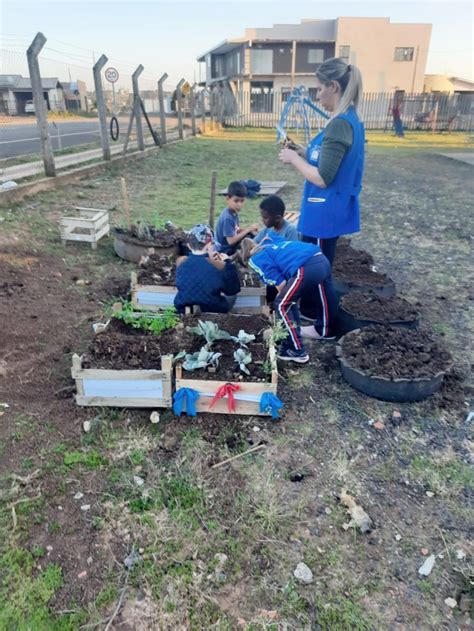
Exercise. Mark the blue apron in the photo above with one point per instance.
(332, 211)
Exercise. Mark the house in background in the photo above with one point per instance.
(449, 85)
(15, 92)
(391, 56)
(75, 96)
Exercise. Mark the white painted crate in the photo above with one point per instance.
(88, 224)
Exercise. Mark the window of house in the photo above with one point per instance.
(315, 55)
(344, 52)
(285, 93)
(261, 61)
(404, 54)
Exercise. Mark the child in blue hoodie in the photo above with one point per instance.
(296, 269)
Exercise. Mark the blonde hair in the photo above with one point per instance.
(349, 79)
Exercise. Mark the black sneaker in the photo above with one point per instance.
(292, 355)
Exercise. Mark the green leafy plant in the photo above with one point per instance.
(244, 338)
(243, 358)
(276, 333)
(201, 359)
(210, 331)
(152, 322)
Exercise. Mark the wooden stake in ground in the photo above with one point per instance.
(244, 453)
(212, 212)
(126, 205)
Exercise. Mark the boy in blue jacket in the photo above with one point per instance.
(297, 270)
(205, 277)
(229, 234)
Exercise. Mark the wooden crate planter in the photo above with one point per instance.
(156, 297)
(123, 388)
(247, 398)
(88, 224)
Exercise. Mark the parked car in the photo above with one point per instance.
(29, 107)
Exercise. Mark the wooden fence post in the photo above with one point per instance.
(212, 212)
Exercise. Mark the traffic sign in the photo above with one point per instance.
(112, 75)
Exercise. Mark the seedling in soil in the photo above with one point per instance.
(202, 359)
(153, 322)
(243, 358)
(244, 338)
(210, 331)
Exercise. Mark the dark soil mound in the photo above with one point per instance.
(366, 306)
(158, 269)
(150, 236)
(123, 347)
(394, 353)
(356, 267)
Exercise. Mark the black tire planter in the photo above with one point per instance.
(400, 390)
(348, 322)
(132, 249)
(386, 290)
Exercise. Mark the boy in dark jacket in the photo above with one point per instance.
(205, 277)
(297, 270)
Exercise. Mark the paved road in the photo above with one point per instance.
(20, 140)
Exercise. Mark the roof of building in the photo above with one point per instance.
(17, 82)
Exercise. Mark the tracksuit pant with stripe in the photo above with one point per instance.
(312, 306)
(313, 278)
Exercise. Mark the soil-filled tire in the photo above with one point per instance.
(400, 390)
(132, 250)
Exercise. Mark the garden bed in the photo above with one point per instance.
(358, 309)
(126, 365)
(154, 297)
(247, 389)
(393, 363)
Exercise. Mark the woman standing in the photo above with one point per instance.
(332, 166)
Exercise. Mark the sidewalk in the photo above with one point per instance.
(21, 171)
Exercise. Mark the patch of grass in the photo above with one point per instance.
(342, 614)
(90, 459)
(25, 594)
(442, 477)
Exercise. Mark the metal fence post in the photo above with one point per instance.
(179, 99)
(40, 105)
(136, 105)
(99, 96)
(192, 104)
(161, 100)
(203, 110)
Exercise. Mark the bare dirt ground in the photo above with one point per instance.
(216, 548)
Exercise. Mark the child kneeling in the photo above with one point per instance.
(205, 278)
(297, 270)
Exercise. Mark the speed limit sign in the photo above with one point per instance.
(112, 75)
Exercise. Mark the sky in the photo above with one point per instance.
(168, 36)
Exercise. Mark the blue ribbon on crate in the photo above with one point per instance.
(188, 397)
(269, 402)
